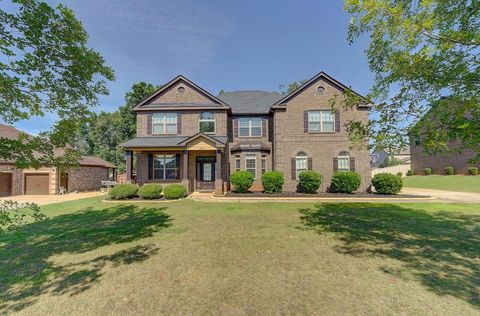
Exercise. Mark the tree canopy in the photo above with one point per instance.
(424, 54)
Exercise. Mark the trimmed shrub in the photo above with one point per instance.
(123, 191)
(309, 181)
(150, 191)
(399, 174)
(473, 171)
(272, 182)
(345, 182)
(427, 171)
(410, 173)
(449, 171)
(174, 191)
(241, 181)
(387, 183)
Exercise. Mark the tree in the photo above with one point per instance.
(46, 67)
(284, 90)
(425, 57)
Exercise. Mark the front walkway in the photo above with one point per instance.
(445, 196)
(49, 199)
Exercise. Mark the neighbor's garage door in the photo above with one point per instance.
(36, 183)
(5, 184)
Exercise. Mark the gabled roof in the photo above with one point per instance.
(250, 102)
(311, 81)
(174, 81)
(203, 135)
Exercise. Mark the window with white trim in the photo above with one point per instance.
(164, 123)
(321, 121)
(301, 163)
(237, 163)
(206, 123)
(250, 127)
(343, 161)
(264, 164)
(165, 167)
(251, 164)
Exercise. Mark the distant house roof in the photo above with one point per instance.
(10, 132)
(163, 141)
(250, 102)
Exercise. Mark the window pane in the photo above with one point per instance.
(157, 129)
(170, 162)
(314, 116)
(256, 131)
(314, 126)
(237, 164)
(157, 118)
(158, 161)
(158, 174)
(301, 163)
(172, 129)
(327, 116)
(328, 127)
(256, 122)
(243, 131)
(343, 164)
(207, 127)
(243, 122)
(171, 117)
(170, 174)
(328, 121)
(206, 116)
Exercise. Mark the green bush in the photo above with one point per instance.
(123, 191)
(427, 171)
(272, 182)
(150, 191)
(400, 174)
(345, 182)
(473, 171)
(449, 171)
(174, 191)
(241, 181)
(309, 181)
(387, 183)
(410, 173)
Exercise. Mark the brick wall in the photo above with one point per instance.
(86, 178)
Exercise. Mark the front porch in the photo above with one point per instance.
(199, 163)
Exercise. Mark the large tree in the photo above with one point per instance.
(46, 67)
(425, 58)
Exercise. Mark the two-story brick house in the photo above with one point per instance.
(187, 135)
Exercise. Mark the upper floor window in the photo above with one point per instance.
(321, 121)
(250, 127)
(164, 123)
(343, 161)
(206, 123)
(301, 163)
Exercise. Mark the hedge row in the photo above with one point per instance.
(149, 191)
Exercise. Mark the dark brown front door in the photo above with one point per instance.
(205, 173)
(36, 183)
(5, 184)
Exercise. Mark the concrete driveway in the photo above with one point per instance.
(49, 199)
(445, 196)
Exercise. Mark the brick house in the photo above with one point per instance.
(187, 135)
(48, 180)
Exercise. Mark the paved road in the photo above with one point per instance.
(49, 199)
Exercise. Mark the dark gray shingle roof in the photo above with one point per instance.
(250, 102)
(162, 141)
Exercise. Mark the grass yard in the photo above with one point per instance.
(254, 258)
(456, 183)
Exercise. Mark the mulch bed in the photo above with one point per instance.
(321, 195)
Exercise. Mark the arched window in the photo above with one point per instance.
(206, 123)
(301, 163)
(343, 161)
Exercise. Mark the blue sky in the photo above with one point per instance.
(230, 45)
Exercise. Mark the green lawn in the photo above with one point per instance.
(449, 183)
(253, 258)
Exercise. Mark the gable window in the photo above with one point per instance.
(264, 164)
(165, 167)
(301, 163)
(250, 127)
(164, 123)
(206, 124)
(251, 164)
(343, 161)
(237, 163)
(321, 121)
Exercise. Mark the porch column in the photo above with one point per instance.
(218, 174)
(129, 165)
(185, 180)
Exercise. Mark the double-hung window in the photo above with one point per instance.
(264, 164)
(301, 163)
(165, 167)
(250, 127)
(237, 163)
(343, 161)
(321, 121)
(206, 123)
(251, 164)
(164, 123)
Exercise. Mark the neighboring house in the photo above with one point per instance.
(187, 135)
(49, 180)
(380, 156)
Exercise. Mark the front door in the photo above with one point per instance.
(205, 173)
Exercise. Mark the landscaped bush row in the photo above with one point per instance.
(448, 171)
(387, 183)
(149, 191)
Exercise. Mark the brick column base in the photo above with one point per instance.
(219, 187)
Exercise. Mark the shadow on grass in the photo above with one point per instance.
(441, 249)
(26, 267)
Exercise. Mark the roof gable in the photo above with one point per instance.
(180, 92)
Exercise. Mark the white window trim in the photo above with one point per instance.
(254, 157)
(164, 123)
(348, 162)
(200, 120)
(321, 122)
(239, 160)
(250, 128)
(306, 165)
(262, 161)
(164, 156)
